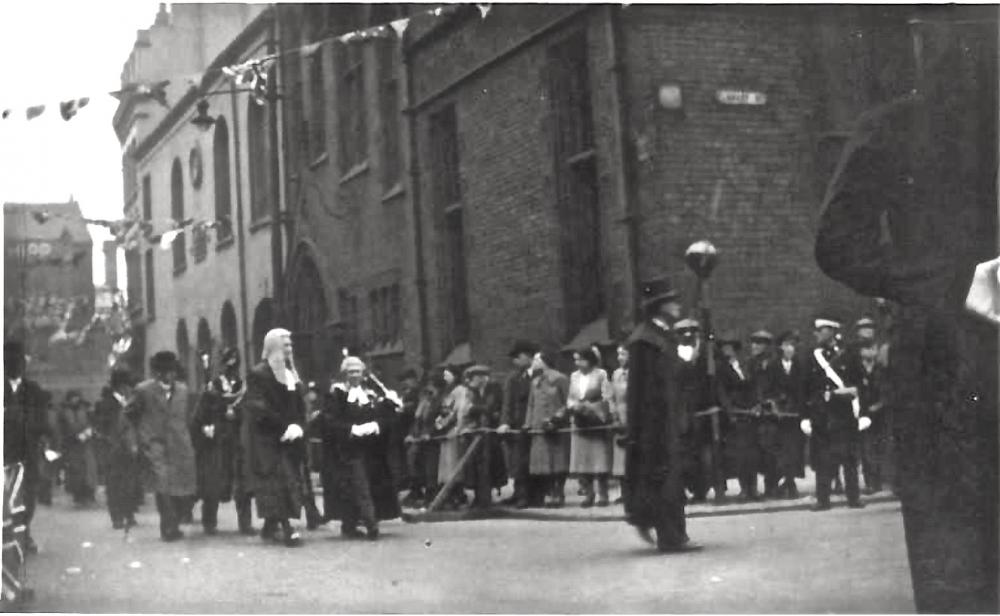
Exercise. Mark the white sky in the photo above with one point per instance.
(57, 50)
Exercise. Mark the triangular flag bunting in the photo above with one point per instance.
(68, 109)
(400, 25)
(33, 112)
(6, 113)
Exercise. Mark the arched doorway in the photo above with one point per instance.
(183, 351)
(203, 369)
(263, 321)
(227, 326)
(308, 311)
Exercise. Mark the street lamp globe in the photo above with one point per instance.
(701, 257)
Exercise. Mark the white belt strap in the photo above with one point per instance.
(835, 378)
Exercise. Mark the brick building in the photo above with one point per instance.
(566, 153)
(214, 284)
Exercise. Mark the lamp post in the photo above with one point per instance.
(701, 258)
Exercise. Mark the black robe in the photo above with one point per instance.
(362, 469)
(654, 485)
(217, 457)
(271, 467)
(909, 214)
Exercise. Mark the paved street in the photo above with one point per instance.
(792, 561)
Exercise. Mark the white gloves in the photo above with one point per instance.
(292, 432)
(806, 426)
(864, 423)
(51, 455)
(984, 294)
(393, 397)
(365, 429)
(208, 431)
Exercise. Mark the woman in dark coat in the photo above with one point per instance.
(358, 418)
(274, 412)
(79, 458)
(115, 426)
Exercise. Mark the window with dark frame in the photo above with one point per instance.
(258, 147)
(147, 198)
(447, 198)
(150, 286)
(221, 179)
(179, 245)
(353, 126)
(317, 120)
(387, 53)
(578, 206)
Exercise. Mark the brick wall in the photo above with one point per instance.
(743, 177)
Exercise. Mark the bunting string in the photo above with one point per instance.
(250, 73)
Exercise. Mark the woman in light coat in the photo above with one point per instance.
(619, 414)
(590, 449)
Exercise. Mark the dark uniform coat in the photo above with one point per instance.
(364, 485)
(654, 495)
(738, 396)
(163, 426)
(909, 214)
(113, 421)
(271, 467)
(516, 390)
(218, 456)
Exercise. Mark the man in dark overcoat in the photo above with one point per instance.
(517, 446)
(654, 464)
(738, 398)
(217, 442)
(114, 424)
(760, 367)
(163, 413)
(911, 216)
(25, 426)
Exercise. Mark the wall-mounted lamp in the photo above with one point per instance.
(203, 120)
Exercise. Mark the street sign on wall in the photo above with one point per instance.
(740, 97)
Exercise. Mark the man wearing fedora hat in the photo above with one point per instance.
(654, 482)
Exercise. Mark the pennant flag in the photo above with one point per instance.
(34, 112)
(400, 26)
(167, 239)
(484, 9)
(143, 91)
(6, 113)
(311, 48)
(68, 109)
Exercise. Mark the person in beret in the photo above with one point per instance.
(163, 411)
(654, 482)
(25, 428)
(113, 422)
(517, 446)
(788, 379)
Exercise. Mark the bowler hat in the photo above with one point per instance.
(523, 347)
(656, 291)
(163, 361)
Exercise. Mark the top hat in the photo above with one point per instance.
(524, 347)
(657, 291)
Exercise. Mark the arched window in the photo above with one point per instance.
(203, 371)
(258, 145)
(183, 351)
(220, 165)
(177, 213)
(263, 322)
(227, 325)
